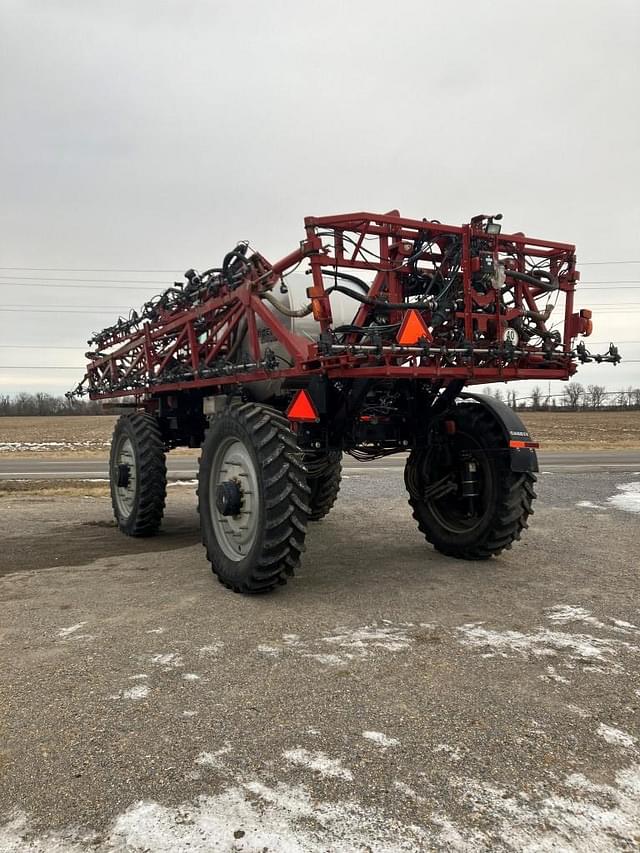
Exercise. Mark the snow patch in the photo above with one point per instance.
(213, 759)
(407, 791)
(578, 816)
(212, 649)
(628, 497)
(167, 659)
(360, 641)
(66, 632)
(578, 711)
(552, 675)
(44, 446)
(347, 645)
(191, 676)
(269, 651)
(319, 762)
(381, 739)
(562, 614)
(138, 691)
(594, 819)
(616, 736)
(326, 660)
(589, 505)
(596, 654)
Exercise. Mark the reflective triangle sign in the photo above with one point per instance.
(413, 328)
(302, 408)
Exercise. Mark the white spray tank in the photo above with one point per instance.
(291, 293)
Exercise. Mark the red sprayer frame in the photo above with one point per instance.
(192, 347)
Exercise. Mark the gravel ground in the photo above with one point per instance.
(387, 698)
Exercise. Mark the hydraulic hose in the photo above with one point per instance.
(379, 303)
(533, 279)
(288, 312)
(347, 277)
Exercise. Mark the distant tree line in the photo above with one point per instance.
(574, 397)
(28, 405)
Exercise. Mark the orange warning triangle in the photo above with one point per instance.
(412, 329)
(302, 408)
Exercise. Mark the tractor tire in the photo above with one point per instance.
(138, 475)
(253, 498)
(469, 528)
(324, 480)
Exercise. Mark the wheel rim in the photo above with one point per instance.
(451, 510)
(233, 463)
(125, 495)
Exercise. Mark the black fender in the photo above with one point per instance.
(522, 458)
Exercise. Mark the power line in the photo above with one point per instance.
(127, 307)
(40, 346)
(38, 367)
(85, 269)
(47, 285)
(102, 280)
(172, 271)
(53, 311)
(81, 286)
(50, 279)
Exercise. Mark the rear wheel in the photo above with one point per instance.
(138, 475)
(466, 499)
(325, 473)
(253, 498)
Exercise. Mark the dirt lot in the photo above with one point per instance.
(388, 699)
(89, 437)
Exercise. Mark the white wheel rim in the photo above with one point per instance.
(235, 534)
(125, 495)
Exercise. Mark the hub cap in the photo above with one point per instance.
(443, 486)
(234, 498)
(124, 476)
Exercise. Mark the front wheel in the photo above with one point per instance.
(137, 474)
(466, 499)
(253, 498)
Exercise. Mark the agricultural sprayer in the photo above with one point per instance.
(361, 341)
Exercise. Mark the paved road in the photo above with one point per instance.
(387, 698)
(181, 467)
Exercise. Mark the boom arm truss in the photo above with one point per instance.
(479, 295)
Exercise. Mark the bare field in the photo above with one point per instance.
(89, 436)
(584, 430)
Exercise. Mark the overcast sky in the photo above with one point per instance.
(149, 135)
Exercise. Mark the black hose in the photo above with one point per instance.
(533, 279)
(347, 277)
(378, 303)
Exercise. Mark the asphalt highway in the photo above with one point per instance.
(185, 467)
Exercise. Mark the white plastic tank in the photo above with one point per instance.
(343, 308)
(293, 296)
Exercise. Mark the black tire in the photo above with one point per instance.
(138, 503)
(324, 478)
(500, 511)
(258, 557)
